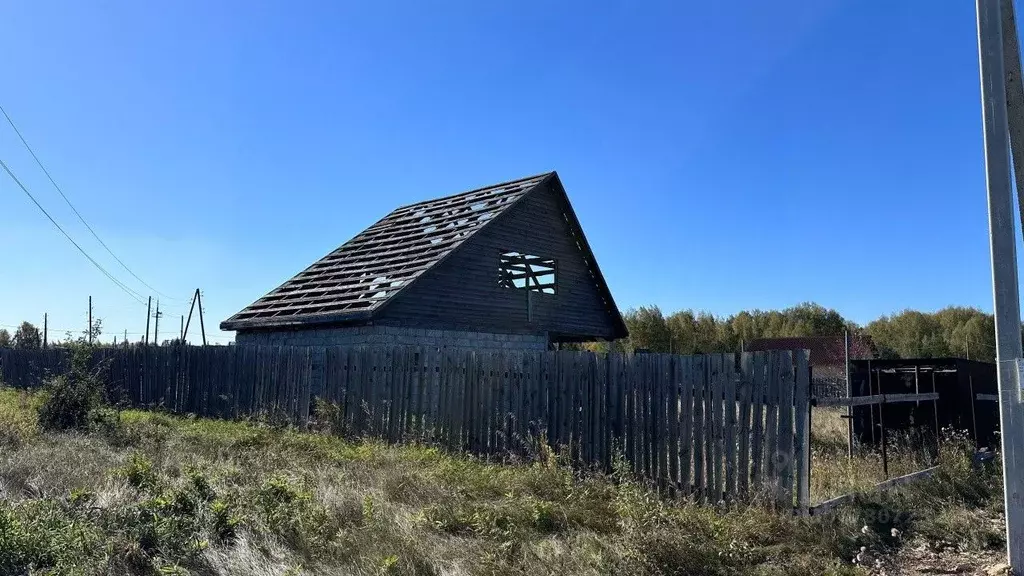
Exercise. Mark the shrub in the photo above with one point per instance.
(73, 398)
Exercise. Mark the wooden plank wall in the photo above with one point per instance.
(713, 427)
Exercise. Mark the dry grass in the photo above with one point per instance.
(833, 473)
(152, 493)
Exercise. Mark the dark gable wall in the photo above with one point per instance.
(463, 292)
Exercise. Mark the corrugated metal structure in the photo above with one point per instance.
(504, 259)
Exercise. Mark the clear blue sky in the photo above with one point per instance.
(721, 156)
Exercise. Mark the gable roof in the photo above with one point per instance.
(355, 281)
(825, 350)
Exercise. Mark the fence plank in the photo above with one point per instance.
(771, 422)
(743, 456)
(759, 366)
(686, 384)
(730, 421)
(700, 402)
(715, 424)
(786, 456)
(803, 433)
(630, 425)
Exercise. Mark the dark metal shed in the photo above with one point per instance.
(958, 382)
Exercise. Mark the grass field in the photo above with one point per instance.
(147, 493)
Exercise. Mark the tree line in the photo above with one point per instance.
(953, 331)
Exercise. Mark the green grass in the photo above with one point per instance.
(149, 493)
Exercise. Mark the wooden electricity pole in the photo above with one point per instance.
(45, 327)
(89, 330)
(202, 326)
(149, 303)
(196, 298)
(1003, 117)
(156, 325)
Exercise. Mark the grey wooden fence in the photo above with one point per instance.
(719, 426)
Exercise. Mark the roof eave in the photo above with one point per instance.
(296, 322)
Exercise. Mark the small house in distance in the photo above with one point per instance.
(501, 267)
(827, 358)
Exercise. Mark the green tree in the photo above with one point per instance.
(27, 337)
(5, 338)
(647, 329)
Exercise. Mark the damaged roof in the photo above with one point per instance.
(362, 275)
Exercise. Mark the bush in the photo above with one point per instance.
(71, 400)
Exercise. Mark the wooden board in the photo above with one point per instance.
(802, 449)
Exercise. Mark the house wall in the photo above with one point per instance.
(392, 336)
(462, 292)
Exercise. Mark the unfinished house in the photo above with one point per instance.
(501, 267)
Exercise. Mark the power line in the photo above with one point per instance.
(126, 289)
(72, 206)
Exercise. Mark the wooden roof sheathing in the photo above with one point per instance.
(356, 279)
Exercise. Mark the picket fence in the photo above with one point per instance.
(714, 427)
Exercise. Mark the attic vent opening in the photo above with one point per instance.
(527, 272)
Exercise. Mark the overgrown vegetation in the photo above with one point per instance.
(74, 400)
(151, 493)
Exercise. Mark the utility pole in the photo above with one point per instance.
(45, 327)
(126, 337)
(149, 303)
(89, 330)
(995, 16)
(181, 331)
(156, 325)
(202, 327)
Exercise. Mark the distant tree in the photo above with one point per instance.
(27, 337)
(5, 338)
(907, 334)
(647, 329)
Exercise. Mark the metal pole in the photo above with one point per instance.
(881, 423)
(849, 394)
(871, 407)
(1004, 269)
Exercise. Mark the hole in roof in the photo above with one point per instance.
(478, 206)
(419, 213)
(461, 221)
(430, 229)
(425, 219)
(381, 294)
(450, 225)
(435, 240)
(484, 216)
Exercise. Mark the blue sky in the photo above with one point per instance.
(721, 156)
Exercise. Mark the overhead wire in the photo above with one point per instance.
(75, 210)
(135, 295)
